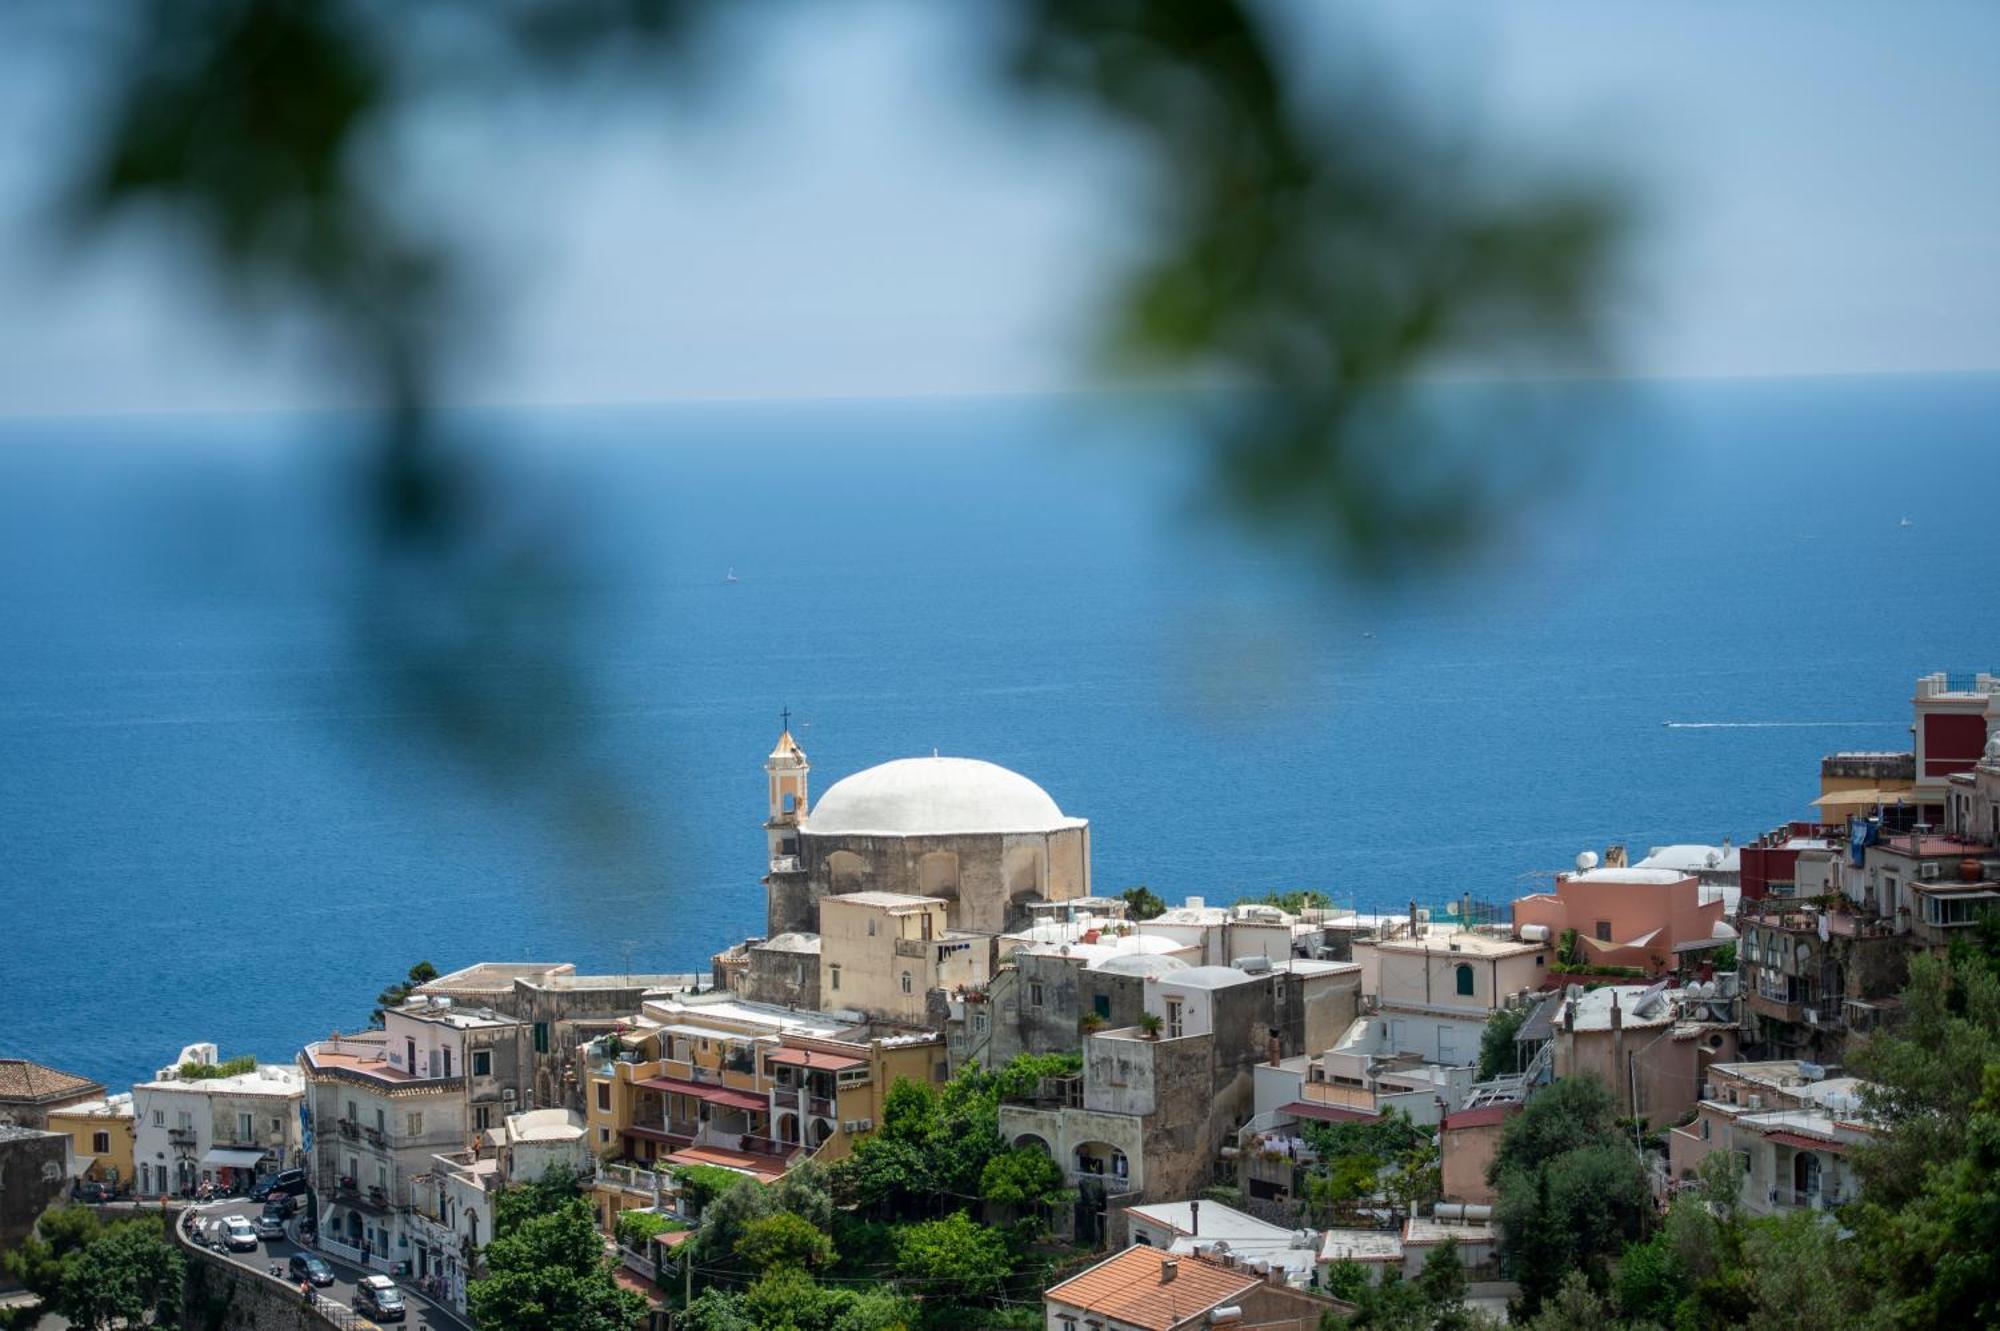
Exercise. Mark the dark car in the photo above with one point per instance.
(378, 1297)
(311, 1266)
(281, 1204)
(291, 1182)
(94, 1192)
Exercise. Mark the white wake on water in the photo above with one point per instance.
(1767, 725)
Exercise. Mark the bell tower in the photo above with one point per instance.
(786, 771)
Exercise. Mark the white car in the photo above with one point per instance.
(238, 1234)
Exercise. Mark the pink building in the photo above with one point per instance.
(1629, 917)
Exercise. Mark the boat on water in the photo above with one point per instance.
(731, 575)
(1906, 523)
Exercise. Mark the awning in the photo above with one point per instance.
(79, 1165)
(1862, 796)
(727, 1096)
(232, 1157)
(1328, 1113)
(813, 1058)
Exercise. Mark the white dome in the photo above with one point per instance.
(935, 797)
(1132, 963)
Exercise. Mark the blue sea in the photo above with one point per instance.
(227, 814)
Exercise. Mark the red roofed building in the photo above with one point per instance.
(1144, 1289)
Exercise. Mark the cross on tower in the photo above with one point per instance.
(785, 718)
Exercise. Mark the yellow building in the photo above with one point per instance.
(101, 1134)
(881, 953)
(712, 1080)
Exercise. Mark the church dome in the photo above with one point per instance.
(935, 797)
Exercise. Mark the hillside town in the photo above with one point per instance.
(1260, 1113)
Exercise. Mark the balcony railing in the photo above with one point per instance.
(348, 1129)
(181, 1136)
(1107, 1185)
(1777, 1009)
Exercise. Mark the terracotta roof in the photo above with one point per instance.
(21, 1080)
(765, 1168)
(813, 1058)
(1481, 1117)
(1131, 1288)
(1327, 1113)
(1802, 1142)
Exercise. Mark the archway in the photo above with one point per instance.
(1029, 1139)
(937, 874)
(846, 871)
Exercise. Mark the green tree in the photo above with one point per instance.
(1574, 1306)
(521, 1202)
(955, 1257)
(1935, 1261)
(40, 1261)
(393, 996)
(1142, 903)
(127, 1276)
(783, 1239)
(1571, 1191)
(547, 1272)
(1496, 1042)
(1025, 1182)
(1926, 1075)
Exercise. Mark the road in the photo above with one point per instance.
(424, 1315)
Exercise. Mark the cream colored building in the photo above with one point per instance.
(882, 952)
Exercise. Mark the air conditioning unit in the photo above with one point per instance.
(1812, 1016)
(1756, 1103)
(1929, 870)
(507, 1096)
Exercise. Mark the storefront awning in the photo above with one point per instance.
(727, 1096)
(232, 1157)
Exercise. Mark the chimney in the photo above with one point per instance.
(1194, 1219)
(1169, 1267)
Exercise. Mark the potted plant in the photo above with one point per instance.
(1150, 1023)
(1090, 1023)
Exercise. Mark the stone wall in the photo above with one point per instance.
(33, 1174)
(219, 1295)
(982, 897)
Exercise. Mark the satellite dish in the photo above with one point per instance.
(1586, 861)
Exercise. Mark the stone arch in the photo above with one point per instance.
(1024, 871)
(788, 1128)
(1034, 1140)
(820, 1130)
(846, 872)
(1101, 1159)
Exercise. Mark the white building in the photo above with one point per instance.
(190, 1130)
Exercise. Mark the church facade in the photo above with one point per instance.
(985, 840)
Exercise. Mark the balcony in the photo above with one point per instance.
(1776, 1009)
(1052, 1093)
(1092, 1184)
(348, 1129)
(181, 1136)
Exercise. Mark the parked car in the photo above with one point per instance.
(291, 1182)
(238, 1235)
(281, 1204)
(270, 1226)
(378, 1297)
(311, 1266)
(93, 1192)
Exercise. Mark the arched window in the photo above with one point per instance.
(1465, 979)
(906, 982)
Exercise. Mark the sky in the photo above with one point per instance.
(857, 211)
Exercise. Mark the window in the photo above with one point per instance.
(1604, 931)
(604, 1097)
(159, 1118)
(871, 926)
(1119, 1167)
(1173, 1018)
(184, 1120)
(1034, 993)
(1465, 981)
(906, 982)
(541, 1037)
(482, 1118)
(1101, 1005)
(246, 1128)
(100, 1143)
(979, 1021)
(482, 1062)
(381, 1120)
(604, 1136)
(416, 1125)
(352, 1115)
(1704, 1129)
(833, 976)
